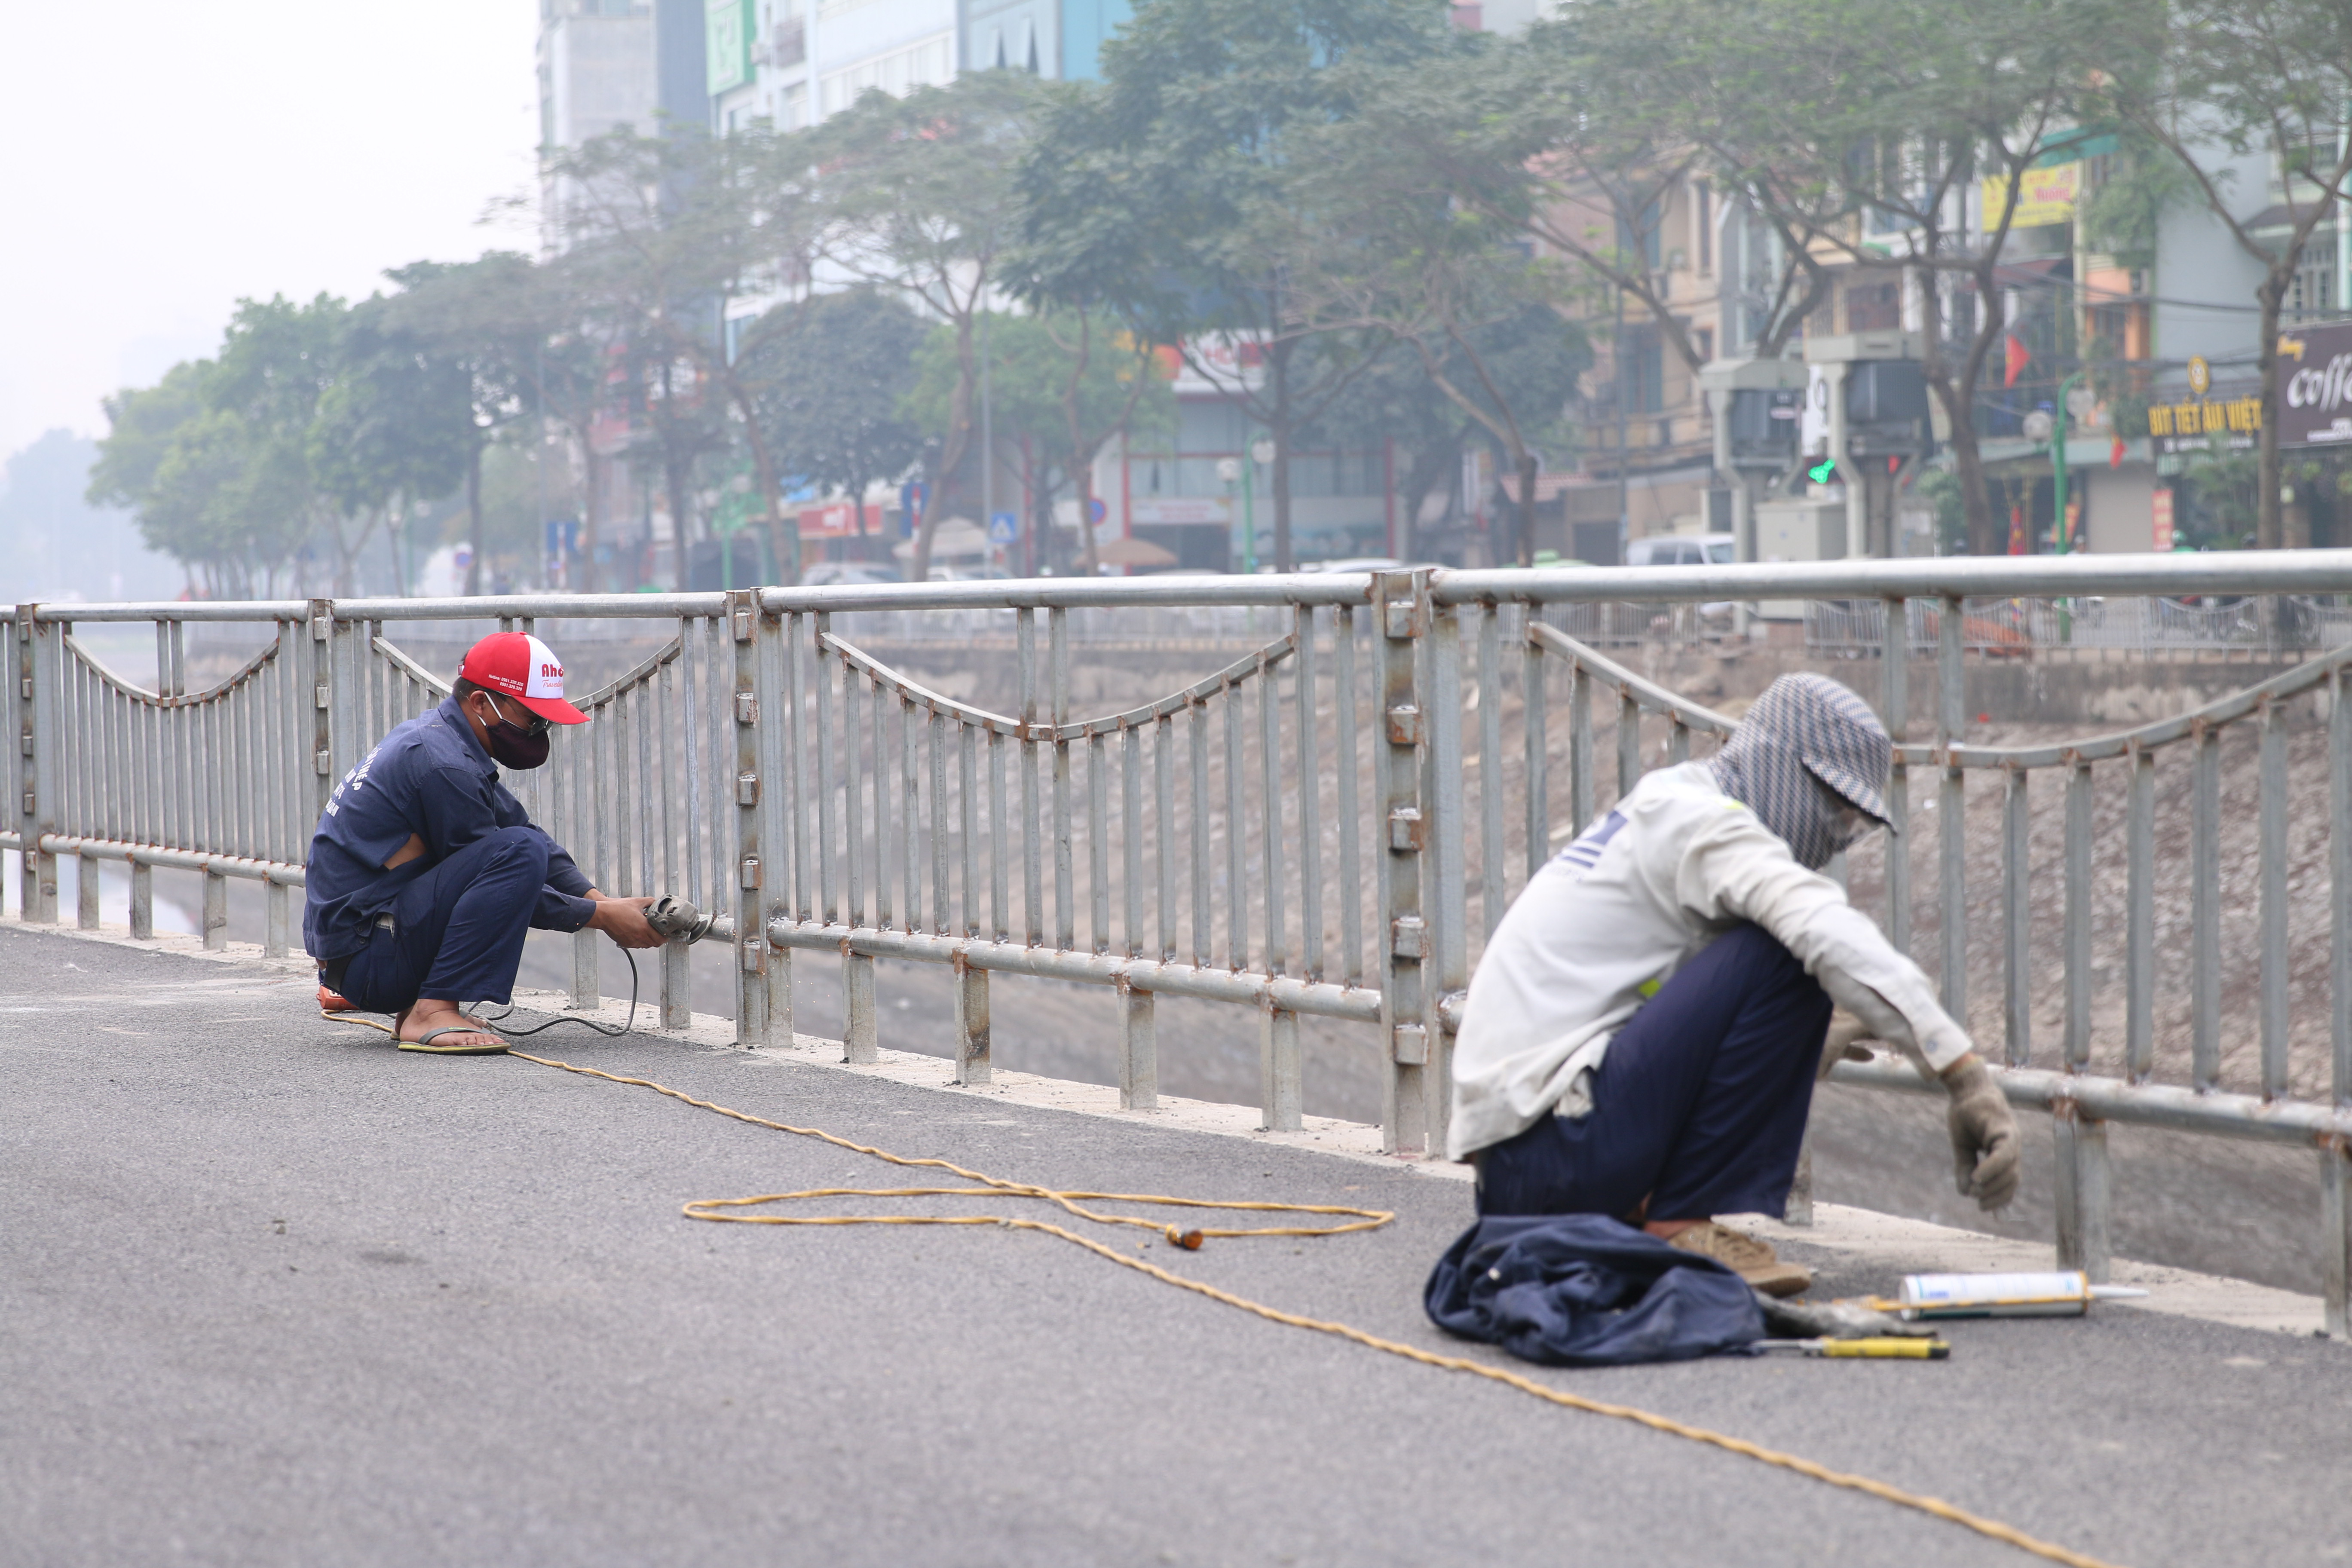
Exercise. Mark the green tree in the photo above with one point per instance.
(646, 264)
(545, 337)
(398, 426)
(2211, 81)
(1163, 194)
(1065, 382)
(917, 195)
(1395, 401)
(218, 463)
(1860, 126)
(833, 386)
(1378, 243)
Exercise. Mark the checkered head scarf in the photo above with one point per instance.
(1805, 751)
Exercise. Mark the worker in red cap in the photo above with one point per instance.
(425, 873)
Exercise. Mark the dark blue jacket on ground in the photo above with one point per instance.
(1582, 1289)
(432, 778)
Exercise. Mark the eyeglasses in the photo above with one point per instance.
(537, 725)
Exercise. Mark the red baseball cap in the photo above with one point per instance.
(525, 668)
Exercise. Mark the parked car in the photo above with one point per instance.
(855, 573)
(1683, 549)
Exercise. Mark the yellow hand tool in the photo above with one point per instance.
(1877, 1350)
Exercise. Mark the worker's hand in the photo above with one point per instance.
(1846, 1031)
(1984, 1134)
(623, 920)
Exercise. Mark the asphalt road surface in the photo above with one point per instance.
(272, 1292)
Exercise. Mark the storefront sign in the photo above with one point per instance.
(2043, 196)
(2204, 424)
(2314, 385)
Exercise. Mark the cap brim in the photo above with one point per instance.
(1853, 791)
(554, 710)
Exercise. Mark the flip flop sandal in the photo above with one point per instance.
(426, 1043)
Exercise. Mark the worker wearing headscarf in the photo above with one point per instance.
(1642, 1035)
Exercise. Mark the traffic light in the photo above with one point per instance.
(1820, 472)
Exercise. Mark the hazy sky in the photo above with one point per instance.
(159, 161)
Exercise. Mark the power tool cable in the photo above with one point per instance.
(1355, 1219)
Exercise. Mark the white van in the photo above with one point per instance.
(1683, 549)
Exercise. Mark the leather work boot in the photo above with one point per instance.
(1752, 1260)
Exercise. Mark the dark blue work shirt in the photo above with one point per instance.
(432, 778)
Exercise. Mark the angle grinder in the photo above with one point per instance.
(676, 921)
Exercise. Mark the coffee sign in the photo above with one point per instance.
(2314, 385)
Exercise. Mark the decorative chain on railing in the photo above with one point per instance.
(1328, 822)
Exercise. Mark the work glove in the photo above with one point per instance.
(1845, 1030)
(1984, 1134)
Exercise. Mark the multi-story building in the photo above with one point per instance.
(794, 62)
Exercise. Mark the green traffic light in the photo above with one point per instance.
(1820, 472)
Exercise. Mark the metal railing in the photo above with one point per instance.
(1330, 826)
(2274, 626)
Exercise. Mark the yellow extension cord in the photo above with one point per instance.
(1356, 1220)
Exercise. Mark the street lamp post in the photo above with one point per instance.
(2059, 530)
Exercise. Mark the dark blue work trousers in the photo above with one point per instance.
(457, 931)
(1698, 1107)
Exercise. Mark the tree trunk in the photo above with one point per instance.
(674, 482)
(952, 449)
(1284, 561)
(2270, 525)
(1527, 507)
(764, 467)
(592, 512)
(1429, 465)
(474, 520)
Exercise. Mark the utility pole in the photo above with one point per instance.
(2059, 531)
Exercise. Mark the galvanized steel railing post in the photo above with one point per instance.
(321, 682)
(1579, 749)
(973, 1063)
(2339, 886)
(2077, 1044)
(1058, 648)
(2205, 910)
(215, 915)
(859, 1036)
(2336, 1237)
(1441, 772)
(2275, 958)
(2084, 1192)
(36, 645)
(1401, 610)
(1493, 885)
(1139, 1055)
(1952, 807)
(276, 918)
(2017, 915)
(778, 792)
(2139, 920)
(142, 899)
(1535, 745)
(1897, 715)
(748, 631)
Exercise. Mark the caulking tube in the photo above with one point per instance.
(2063, 1294)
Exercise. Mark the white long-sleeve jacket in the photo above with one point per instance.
(1617, 912)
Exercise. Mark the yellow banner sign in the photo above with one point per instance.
(2045, 195)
